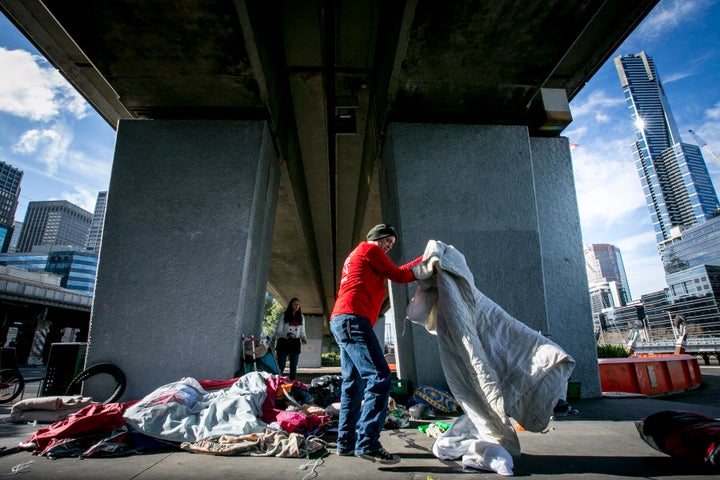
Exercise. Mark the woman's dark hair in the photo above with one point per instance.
(288, 317)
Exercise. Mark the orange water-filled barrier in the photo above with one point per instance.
(652, 376)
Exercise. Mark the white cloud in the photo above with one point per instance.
(637, 243)
(667, 16)
(91, 168)
(675, 77)
(607, 183)
(596, 103)
(709, 132)
(48, 146)
(51, 147)
(713, 113)
(645, 272)
(603, 117)
(82, 197)
(31, 90)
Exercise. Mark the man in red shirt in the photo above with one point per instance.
(365, 373)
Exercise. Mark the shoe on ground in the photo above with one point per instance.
(345, 453)
(380, 456)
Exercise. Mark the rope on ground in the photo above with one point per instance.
(19, 468)
(410, 442)
(315, 463)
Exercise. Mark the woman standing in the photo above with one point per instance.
(290, 333)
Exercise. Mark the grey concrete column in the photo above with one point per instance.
(474, 187)
(185, 250)
(569, 314)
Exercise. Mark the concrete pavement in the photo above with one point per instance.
(600, 442)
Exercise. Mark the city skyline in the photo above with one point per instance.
(682, 38)
(65, 149)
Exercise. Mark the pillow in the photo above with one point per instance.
(438, 399)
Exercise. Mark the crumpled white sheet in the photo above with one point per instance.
(462, 440)
(185, 412)
(495, 365)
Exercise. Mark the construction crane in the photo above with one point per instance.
(702, 143)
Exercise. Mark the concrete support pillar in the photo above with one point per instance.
(185, 250)
(567, 297)
(507, 202)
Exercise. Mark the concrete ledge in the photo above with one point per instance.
(649, 376)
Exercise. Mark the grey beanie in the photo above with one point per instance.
(379, 231)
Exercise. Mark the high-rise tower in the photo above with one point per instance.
(96, 227)
(677, 186)
(604, 264)
(10, 178)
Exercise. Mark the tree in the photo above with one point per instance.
(271, 312)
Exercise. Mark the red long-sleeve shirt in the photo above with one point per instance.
(362, 284)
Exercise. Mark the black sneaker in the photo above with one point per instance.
(345, 453)
(380, 456)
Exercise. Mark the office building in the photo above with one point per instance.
(54, 222)
(604, 265)
(77, 268)
(698, 245)
(695, 295)
(656, 318)
(677, 186)
(17, 231)
(96, 227)
(608, 287)
(10, 179)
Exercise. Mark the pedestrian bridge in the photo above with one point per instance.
(700, 346)
(23, 287)
(39, 309)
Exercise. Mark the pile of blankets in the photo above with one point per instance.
(226, 417)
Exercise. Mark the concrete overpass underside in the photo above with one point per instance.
(328, 80)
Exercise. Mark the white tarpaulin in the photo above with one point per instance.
(495, 365)
(183, 411)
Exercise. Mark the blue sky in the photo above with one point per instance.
(47, 130)
(65, 148)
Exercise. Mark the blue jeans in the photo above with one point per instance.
(282, 361)
(365, 376)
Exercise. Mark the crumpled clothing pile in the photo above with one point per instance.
(270, 443)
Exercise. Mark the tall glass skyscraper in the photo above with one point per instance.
(604, 264)
(96, 227)
(677, 186)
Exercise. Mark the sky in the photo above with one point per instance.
(47, 130)
(65, 149)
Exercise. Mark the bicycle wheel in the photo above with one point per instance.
(100, 369)
(12, 384)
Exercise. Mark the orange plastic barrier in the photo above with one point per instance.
(652, 376)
